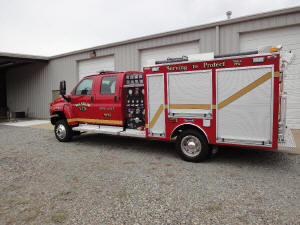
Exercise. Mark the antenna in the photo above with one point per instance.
(228, 14)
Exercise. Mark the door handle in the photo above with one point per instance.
(119, 93)
(92, 98)
(116, 99)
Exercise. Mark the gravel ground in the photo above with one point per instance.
(98, 179)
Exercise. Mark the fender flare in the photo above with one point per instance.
(176, 129)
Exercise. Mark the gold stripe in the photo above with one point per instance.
(147, 125)
(214, 107)
(115, 122)
(245, 90)
(190, 106)
(156, 116)
(276, 74)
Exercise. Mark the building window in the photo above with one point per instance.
(85, 87)
(108, 85)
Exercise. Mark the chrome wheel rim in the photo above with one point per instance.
(61, 131)
(191, 146)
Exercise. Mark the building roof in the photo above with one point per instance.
(11, 59)
(189, 29)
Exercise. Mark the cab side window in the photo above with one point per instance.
(85, 87)
(108, 85)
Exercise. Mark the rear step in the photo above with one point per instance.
(288, 145)
(100, 129)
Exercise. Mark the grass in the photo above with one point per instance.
(242, 219)
(166, 182)
(213, 207)
(30, 214)
(11, 221)
(13, 187)
(128, 163)
(58, 217)
(21, 202)
(122, 194)
(75, 179)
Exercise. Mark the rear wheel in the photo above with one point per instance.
(63, 131)
(192, 146)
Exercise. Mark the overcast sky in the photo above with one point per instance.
(44, 27)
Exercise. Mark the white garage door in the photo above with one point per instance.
(289, 37)
(162, 53)
(93, 66)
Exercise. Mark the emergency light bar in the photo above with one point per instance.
(171, 60)
(211, 56)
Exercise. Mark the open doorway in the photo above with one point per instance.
(3, 103)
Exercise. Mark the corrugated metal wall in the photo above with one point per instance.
(29, 87)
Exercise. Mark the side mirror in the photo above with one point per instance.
(62, 87)
(62, 90)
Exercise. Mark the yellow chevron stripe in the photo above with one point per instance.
(156, 116)
(276, 74)
(84, 120)
(245, 90)
(190, 106)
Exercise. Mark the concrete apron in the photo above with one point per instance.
(42, 124)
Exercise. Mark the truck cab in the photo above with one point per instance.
(109, 100)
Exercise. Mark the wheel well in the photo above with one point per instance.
(183, 127)
(58, 116)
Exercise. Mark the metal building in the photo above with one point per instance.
(32, 82)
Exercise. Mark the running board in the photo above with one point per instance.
(98, 129)
(110, 130)
(288, 145)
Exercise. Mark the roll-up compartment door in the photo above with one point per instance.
(156, 109)
(245, 105)
(189, 93)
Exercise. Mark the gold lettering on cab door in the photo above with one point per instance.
(213, 65)
(82, 106)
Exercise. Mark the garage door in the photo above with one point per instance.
(289, 38)
(162, 53)
(93, 66)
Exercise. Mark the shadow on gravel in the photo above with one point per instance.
(236, 156)
(254, 157)
(158, 147)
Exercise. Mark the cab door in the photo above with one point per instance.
(108, 100)
(81, 101)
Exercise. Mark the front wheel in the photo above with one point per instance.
(63, 132)
(192, 146)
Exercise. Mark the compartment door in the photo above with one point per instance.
(156, 105)
(245, 105)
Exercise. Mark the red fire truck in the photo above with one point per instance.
(200, 101)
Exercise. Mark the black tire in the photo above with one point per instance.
(192, 146)
(63, 132)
